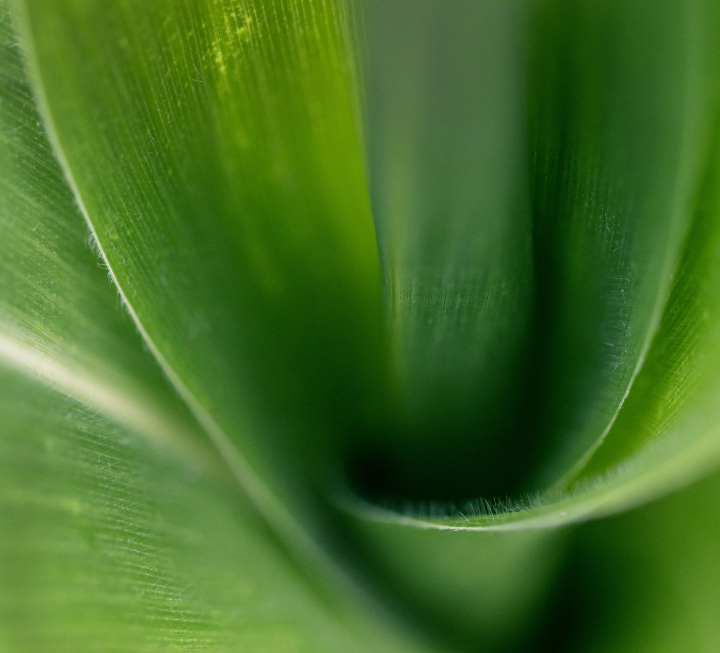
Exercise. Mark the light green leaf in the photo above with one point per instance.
(214, 150)
(555, 203)
(122, 529)
(109, 543)
(59, 317)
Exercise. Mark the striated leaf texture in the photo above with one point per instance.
(254, 413)
(214, 149)
(617, 409)
(122, 527)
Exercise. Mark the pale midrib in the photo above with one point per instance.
(125, 408)
(275, 514)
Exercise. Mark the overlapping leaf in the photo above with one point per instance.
(213, 149)
(623, 104)
(122, 529)
(446, 131)
(597, 153)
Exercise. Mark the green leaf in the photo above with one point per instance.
(60, 320)
(621, 119)
(599, 190)
(110, 543)
(657, 153)
(59, 317)
(670, 417)
(446, 130)
(645, 581)
(473, 589)
(214, 150)
(547, 219)
(122, 529)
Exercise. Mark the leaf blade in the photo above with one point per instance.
(277, 258)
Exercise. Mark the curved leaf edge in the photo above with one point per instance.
(290, 531)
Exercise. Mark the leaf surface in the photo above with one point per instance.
(215, 152)
(59, 317)
(665, 434)
(122, 529)
(110, 543)
(446, 130)
(620, 120)
(622, 103)
(644, 581)
(214, 148)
